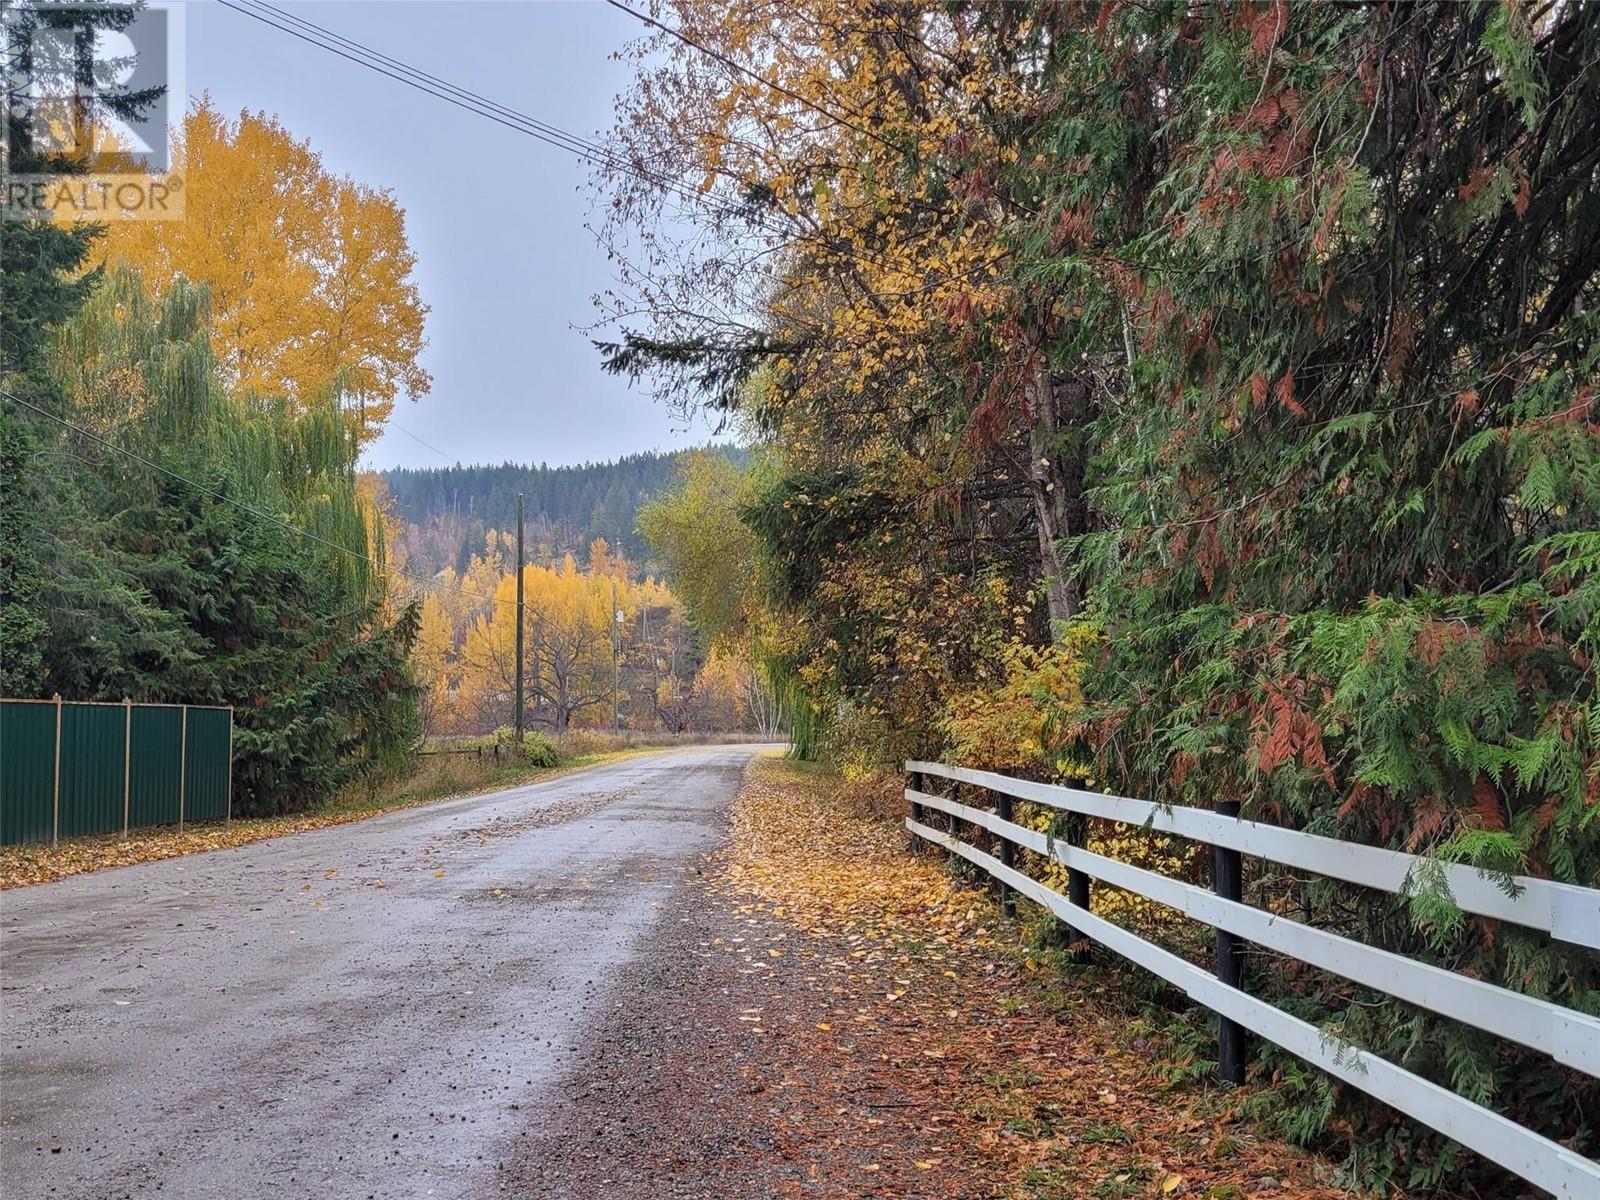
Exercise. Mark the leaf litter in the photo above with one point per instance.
(916, 998)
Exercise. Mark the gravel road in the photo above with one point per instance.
(386, 1009)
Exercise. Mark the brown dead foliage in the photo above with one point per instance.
(936, 1060)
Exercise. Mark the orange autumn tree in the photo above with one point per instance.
(310, 273)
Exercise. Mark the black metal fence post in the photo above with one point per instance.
(1228, 882)
(951, 827)
(948, 818)
(1008, 856)
(1078, 883)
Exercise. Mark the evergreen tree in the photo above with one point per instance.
(235, 560)
(22, 626)
(42, 283)
(1336, 267)
(447, 510)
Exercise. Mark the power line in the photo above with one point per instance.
(363, 55)
(353, 50)
(746, 71)
(226, 499)
(578, 143)
(391, 423)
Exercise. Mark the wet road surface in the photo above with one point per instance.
(381, 1009)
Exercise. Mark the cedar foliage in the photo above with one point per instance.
(1348, 506)
(1282, 317)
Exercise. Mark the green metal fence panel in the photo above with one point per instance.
(27, 771)
(207, 765)
(91, 768)
(157, 742)
(119, 764)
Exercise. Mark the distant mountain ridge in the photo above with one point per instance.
(444, 512)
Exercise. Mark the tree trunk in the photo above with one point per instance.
(1056, 445)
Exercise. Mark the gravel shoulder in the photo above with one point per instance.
(699, 1081)
(819, 1014)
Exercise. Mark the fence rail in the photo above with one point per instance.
(493, 752)
(69, 767)
(1564, 911)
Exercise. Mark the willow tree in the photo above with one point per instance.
(213, 548)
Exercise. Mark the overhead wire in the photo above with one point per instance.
(391, 423)
(358, 52)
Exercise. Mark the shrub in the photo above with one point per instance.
(539, 750)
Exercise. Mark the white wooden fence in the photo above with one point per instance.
(1565, 912)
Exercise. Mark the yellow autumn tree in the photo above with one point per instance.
(568, 667)
(576, 654)
(857, 169)
(436, 663)
(310, 273)
(569, 639)
(872, 238)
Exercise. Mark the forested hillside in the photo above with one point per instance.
(442, 514)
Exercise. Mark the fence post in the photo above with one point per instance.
(55, 804)
(1008, 855)
(915, 780)
(127, 760)
(1078, 881)
(951, 825)
(1228, 882)
(183, 764)
(228, 817)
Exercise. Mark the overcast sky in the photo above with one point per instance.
(497, 219)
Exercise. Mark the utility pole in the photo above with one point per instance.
(616, 637)
(518, 722)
